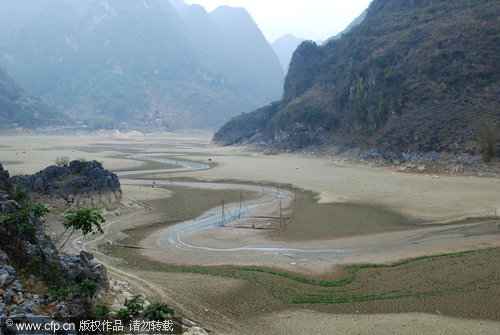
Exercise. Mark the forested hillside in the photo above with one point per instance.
(418, 76)
(109, 61)
(17, 107)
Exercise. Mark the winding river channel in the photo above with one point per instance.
(203, 241)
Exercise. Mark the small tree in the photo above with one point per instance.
(157, 311)
(132, 309)
(135, 305)
(88, 288)
(82, 219)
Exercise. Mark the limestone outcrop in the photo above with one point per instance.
(77, 185)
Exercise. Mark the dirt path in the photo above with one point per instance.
(138, 279)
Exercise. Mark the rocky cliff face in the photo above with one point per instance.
(415, 76)
(77, 185)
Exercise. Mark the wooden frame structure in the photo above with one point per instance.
(284, 220)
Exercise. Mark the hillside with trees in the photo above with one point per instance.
(104, 62)
(415, 76)
(19, 108)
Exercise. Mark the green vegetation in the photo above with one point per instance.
(192, 70)
(435, 275)
(101, 310)
(56, 287)
(16, 106)
(431, 8)
(134, 307)
(87, 288)
(84, 220)
(157, 311)
(23, 217)
(39, 270)
(400, 81)
(20, 195)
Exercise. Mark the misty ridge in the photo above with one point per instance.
(147, 63)
(404, 77)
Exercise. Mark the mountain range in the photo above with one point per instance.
(284, 47)
(414, 76)
(107, 61)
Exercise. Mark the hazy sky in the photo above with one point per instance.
(310, 19)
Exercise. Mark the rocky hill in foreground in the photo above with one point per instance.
(414, 77)
(76, 185)
(37, 284)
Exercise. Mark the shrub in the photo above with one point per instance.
(62, 161)
(21, 196)
(134, 307)
(21, 217)
(157, 311)
(101, 310)
(88, 288)
(431, 8)
(124, 315)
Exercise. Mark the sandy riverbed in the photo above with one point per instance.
(416, 195)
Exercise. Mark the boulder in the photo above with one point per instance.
(8, 207)
(83, 267)
(4, 174)
(4, 258)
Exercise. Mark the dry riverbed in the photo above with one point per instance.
(457, 292)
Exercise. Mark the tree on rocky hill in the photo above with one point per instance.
(82, 219)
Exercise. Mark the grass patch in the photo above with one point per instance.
(419, 277)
